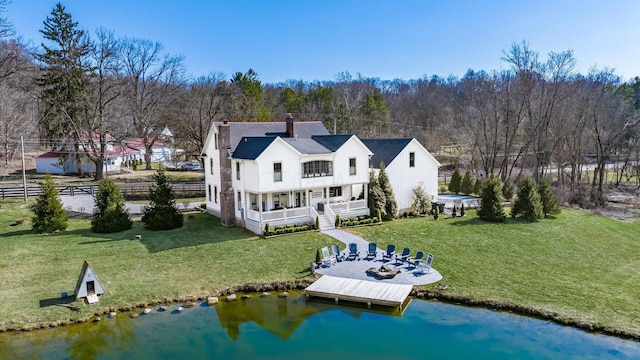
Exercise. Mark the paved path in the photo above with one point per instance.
(356, 269)
(85, 203)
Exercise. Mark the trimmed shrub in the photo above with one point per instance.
(454, 211)
(110, 214)
(49, 214)
(337, 222)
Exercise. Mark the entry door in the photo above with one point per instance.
(91, 287)
(301, 198)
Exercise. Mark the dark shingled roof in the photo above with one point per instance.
(249, 148)
(306, 146)
(301, 130)
(331, 142)
(385, 150)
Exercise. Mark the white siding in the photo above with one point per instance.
(404, 178)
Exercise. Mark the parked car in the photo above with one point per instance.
(192, 166)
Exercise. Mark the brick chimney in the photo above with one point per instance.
(227, 209)
(289, 121)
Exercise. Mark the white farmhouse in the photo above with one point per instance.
(407, 164)
(294, 171)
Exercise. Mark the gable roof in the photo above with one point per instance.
(385, 150)
(332, 142)
(250, 148)
(307, 146)
(301, 130)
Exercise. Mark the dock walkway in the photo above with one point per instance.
(361, 291)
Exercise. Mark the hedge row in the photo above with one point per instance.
(287, 229)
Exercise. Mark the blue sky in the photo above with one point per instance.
(315, 40)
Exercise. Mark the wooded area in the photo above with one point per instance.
(537, 117)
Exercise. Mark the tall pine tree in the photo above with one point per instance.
(64, 74)
(162, 213)
(390, 204)
(454, 183)
(376, 199)
(491, 208)
(49, 214)
(527, 205)
(548, 198)
(466, 186)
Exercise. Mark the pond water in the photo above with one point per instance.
(292, 328)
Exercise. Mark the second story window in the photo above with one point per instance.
(237, 171)
(412, 159)
(277, 171)
(211, 165)
(317, 168)
(352, 166)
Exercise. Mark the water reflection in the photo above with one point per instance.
(280, 328)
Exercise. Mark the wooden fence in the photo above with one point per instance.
(130, 191)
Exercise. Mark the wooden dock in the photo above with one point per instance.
(361, 291)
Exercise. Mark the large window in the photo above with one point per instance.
(253, 198)
(335, 191)
(352, 166)
(412, 159)
(237, 171)
(277, 171)
(317, 168)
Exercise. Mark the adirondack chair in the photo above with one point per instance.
(391, 251)
(327, 260)
(425, 266)
(335, 251)
(353, 252)
(371, 253)
(413, 262)
(404, 256)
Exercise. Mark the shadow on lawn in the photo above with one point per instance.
(469, 221)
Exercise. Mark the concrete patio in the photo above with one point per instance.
(356, 269)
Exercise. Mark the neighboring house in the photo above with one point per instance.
(161, 151)
(407, 165)
(67, 158)
(282, 173)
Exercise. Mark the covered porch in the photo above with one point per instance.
(303, 205)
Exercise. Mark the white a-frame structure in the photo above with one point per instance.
(88, 285)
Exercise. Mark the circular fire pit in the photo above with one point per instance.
(383, 272)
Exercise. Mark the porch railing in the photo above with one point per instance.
(346, 206)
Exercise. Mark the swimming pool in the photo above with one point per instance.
(449, 200)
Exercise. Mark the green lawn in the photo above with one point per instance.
(582, 266)
(195, 260)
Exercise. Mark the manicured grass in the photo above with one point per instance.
(582, 266)
(195, 260)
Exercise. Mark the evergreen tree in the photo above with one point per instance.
(491, 208)
(376, 199)
(420, 200)
(548, 198)
(162, 213)
(65, 73)
(477, 187)
(455, 182)
(466, 186)
(390, 204)
(110, 214)
(527, 206)
(49, 214)
(507, 190)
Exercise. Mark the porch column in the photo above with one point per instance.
(260, 207)
(366, 192)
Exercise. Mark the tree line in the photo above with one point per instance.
(537, 118)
